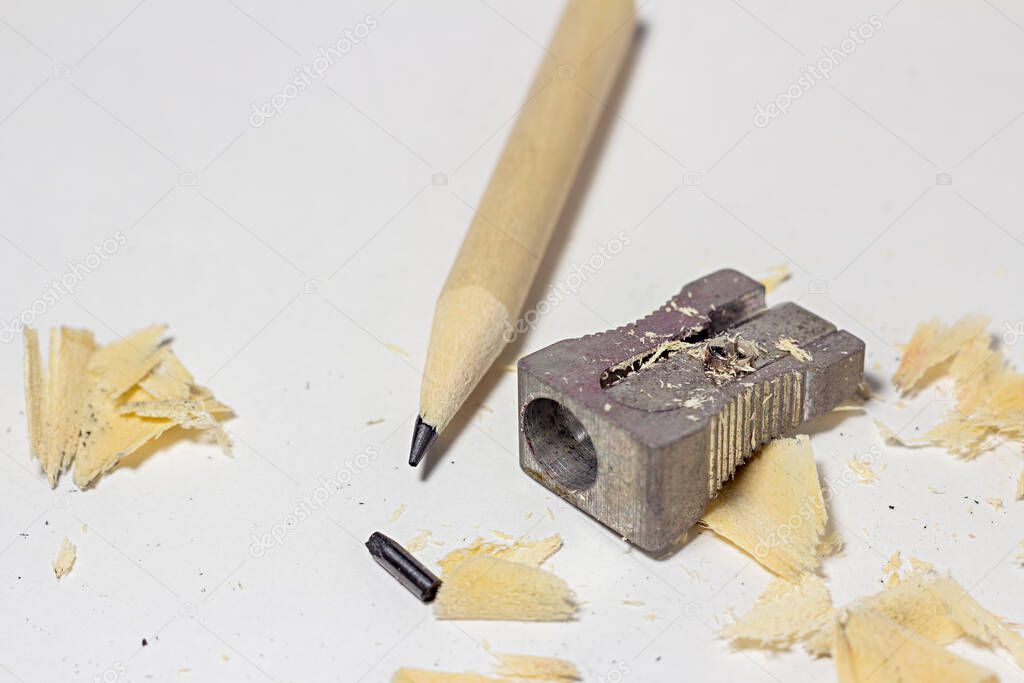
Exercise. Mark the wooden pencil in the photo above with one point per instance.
(475, 314)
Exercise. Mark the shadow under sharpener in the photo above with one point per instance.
(641, 426)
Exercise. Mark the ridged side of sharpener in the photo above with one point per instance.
(756, 415)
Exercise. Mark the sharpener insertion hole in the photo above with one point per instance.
(561, 444)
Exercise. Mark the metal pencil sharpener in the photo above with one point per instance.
(640, 426)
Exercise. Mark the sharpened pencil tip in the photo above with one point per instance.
(423, 436)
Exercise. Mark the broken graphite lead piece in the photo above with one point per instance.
(401, 564)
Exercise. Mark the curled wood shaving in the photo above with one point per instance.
(774, 509)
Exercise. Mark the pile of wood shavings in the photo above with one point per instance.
(989, 391)
(94, 404)
(923, 610)
(503, 581)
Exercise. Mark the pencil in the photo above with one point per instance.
(475, 313)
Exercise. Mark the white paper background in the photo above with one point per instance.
(286, 257)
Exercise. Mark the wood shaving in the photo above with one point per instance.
(418, 542)
(790, 346)
(891, 569)
(170, 380)
(871, 647)
(774, 510)
(923, 608)
(785, 614)
(65, 559)
(56, 400)
(425, 676)
(524, 551)
(989, 392)
(94, 405)
(533, 667)
(890, 436)
(491, 588)
(503, 581)
(865, 475)
(933, 344)
(108, 435)
(397, 350)
(1020, 486)
(510, 667)
(185, 413)
(117, 367)
(776, 276)
(830, 545)
(996, 503)
(921, 565)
